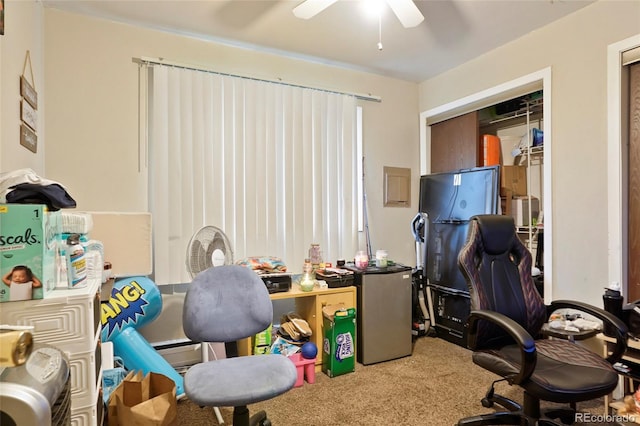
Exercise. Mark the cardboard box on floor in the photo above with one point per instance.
(339, 343)
(506, 197)
(513, 179)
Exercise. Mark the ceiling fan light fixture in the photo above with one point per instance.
(310, 8)
(405, 10)
(373, 8)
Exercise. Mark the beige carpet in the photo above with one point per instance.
(436, 385)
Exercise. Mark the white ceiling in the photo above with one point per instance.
(453, 31)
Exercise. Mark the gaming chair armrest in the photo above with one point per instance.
(606, 317)
(516, 331)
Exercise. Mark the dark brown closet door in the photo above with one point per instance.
(454, 143)
(633, 285)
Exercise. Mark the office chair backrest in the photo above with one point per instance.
(497, 267)
(225, 304)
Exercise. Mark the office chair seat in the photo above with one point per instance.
(564, 372)
(239, 381)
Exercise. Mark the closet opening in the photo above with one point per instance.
(519, 114)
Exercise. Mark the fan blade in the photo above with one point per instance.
(197, 252)
(310, 8)
(407, 12)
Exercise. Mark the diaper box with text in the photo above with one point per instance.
(28, 251)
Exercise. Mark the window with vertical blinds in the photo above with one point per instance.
(274, 166)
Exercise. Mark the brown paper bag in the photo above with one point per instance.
(143, 401)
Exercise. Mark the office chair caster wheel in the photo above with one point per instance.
(486, 402)
(567, 417)
(260, 419)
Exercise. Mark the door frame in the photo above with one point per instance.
(511, 89)
(617, 136)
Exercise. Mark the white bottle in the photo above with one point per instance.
(76, 262)
(381, 258)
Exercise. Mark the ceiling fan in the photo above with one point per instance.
(406, 10)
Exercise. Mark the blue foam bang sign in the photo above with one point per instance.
(133, 303)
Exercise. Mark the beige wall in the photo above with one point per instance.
(91, 122)
(576, 50)
(91, 141)
(23, 31)
(92, 126)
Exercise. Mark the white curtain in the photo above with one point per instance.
(272, 165)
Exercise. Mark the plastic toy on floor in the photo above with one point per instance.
(631, 405)
(305, 367)
(135, 302)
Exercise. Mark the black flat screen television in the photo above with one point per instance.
(461, 194)
(450, 199)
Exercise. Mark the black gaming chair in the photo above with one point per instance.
(506, 317)
(226, 304)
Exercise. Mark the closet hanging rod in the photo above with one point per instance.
(161, 61)
(516, 115)
(512, 116)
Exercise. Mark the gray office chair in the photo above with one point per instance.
(226, 304)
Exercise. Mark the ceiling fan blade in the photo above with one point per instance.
(407, 12)
(310, 8)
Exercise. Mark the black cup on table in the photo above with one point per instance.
(613, 304)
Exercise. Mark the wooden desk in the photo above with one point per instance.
(309, 306)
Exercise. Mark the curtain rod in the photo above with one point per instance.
(161, 61)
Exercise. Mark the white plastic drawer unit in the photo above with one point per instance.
(85, 376)
(67, 319)
(89, 415)
(70, 321)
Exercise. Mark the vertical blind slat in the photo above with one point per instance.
(273, 166)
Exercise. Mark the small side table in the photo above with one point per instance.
(572, 336)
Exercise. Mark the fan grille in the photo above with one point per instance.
(208, 247)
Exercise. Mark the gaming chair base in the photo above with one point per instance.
(529, 415)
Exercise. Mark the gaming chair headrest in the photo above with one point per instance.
(497, 232)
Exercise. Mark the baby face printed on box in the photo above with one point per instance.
(28, 250)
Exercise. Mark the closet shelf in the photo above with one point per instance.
(533, 150)
(531, 107)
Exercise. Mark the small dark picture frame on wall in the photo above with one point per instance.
(1, 17)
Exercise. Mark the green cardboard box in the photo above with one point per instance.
(262, 342)
(339, 344)
(28, 251)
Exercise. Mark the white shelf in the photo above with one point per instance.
(68, 319)
(533, 151)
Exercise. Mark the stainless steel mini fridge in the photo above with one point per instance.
(383, 317)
